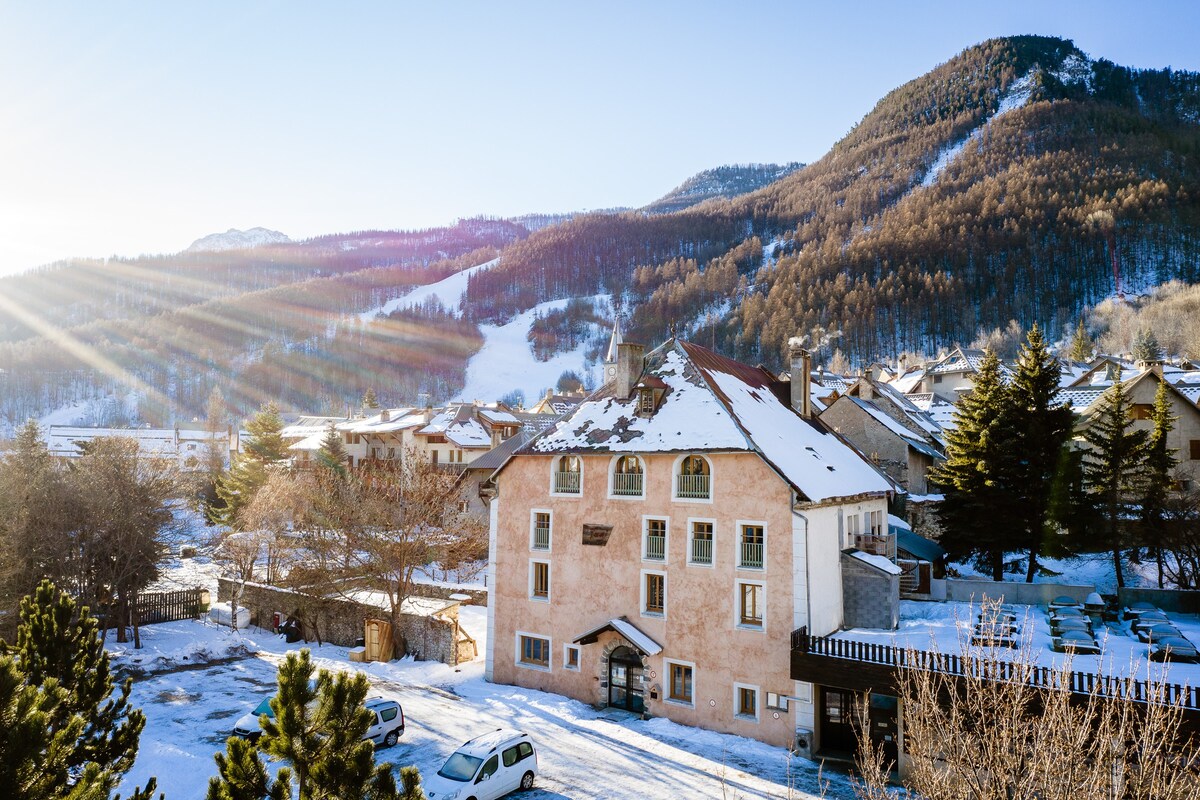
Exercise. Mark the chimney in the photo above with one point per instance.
(385, 415)
(630, 363)
(801, 374)
(865, 390)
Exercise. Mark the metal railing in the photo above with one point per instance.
(702, 550)
(752, 555)
(541, 537)
(692, 486)
(566, 482)
(627, 483)
(656, 547)
(878, 544)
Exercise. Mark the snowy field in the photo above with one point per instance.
(448, 291)
(199, 678)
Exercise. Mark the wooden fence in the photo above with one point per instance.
(155, 607)
(1187, 697)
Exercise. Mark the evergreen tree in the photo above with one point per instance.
(332, 455)
(977, 476)
(1112, 466)
(317, 730)
(1082, 347)
(369, 400)
(1146, 346)
(263, 448)
(216, 411)
(58, 640)
(1041, 430)
(1158, 476)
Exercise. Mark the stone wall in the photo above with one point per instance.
(870, 597)
(339, 621)
(479, 597)
(1174, 600)
(1033, 594)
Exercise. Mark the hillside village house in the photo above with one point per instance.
(185, 449)
(656, 548)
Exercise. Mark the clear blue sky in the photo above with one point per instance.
(130, 127)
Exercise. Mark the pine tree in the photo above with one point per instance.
(1112, 465)
(1082, 347)
(978, 472)
(57, 639)
(369, 400)
(264, 448)
(242, 775)
(332, 455)
(1041, 431)
(1158, 475)
(1146, 347)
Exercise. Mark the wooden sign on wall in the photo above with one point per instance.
(596, 534)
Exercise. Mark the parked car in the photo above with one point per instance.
(387, 724)
(485, 768)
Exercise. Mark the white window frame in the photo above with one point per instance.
(853, 527)
(612, 471)
(566, 662)
(712, 480)
(737, 544)
(737, 711)
(533, 512)
(869, 522)
(525, 664)
(691, 535)
(554, 468)
(642, 591)
(667, 664)
(737, 605)
(549, 580)
(646, 538)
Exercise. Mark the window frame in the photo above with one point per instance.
(737, 544)
(534, 563)
(612, 473)
(668, 673)
(738, 713)
(566, 662)
(554, 470)
(519, 653)
(691, 537)
(666, 521)
(643, 579)
(738, 616)
(533, 515)
(677, 470)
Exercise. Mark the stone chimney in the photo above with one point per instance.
(630, 363)
(385, 415)
(865, 390)
(801, 372)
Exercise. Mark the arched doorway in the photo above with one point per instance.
(625, 686)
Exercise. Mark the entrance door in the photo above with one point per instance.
(883, 713)
(837, 721)
(625, 687)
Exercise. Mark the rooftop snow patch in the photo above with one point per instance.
(879, 562)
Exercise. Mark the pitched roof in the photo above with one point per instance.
(913, 439)
(499, 455)
(716, 404)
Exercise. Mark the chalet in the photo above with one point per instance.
(655, 548)
(183, 448)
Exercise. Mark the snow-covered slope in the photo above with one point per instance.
(448, 291)
(506, 361)
(233, 239)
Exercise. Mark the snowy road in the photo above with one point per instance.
(583, 752)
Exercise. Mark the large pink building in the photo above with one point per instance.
(657, 547)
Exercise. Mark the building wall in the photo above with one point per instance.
(870, 598)
(592, 584)
(872, 437)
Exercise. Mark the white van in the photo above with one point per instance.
(485, 768)
(387, 721)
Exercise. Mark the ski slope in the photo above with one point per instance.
(448, 291)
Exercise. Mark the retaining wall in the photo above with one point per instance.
(1034, 594)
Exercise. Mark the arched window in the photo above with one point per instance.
(694, 480)
(627, 476)
(568, 472)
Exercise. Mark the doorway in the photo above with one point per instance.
(625, 685)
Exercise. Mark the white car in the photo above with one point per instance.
(387, 723)
(485, 768)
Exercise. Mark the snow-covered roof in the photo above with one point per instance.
(310, 443)
(909, 381)
(913, 439)
(459, 425)
(879, 562)
(627, 629)
(939, 410)
(397, 419)
(63, 440)
(713, 403)
(498, 417)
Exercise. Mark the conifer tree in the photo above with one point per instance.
(242, 775)
(369, 400)
(1146, 346)
(1041, 430)
(1112, 466)
(1082, 347)
(264, 447)
(1158, 476)
(59, 640)
(332, 455)
(976, 514)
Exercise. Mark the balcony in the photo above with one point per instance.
(702, 551)
(656, 547)
(880, 544)
(751, 555)
(541, 537)
(566, 482)
(693, 487)
(627, 484)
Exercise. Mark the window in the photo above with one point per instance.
(745, 701)
(539, 580)
(1194, 448)
(388, 714)
(654, 593)
(627, 477)
(875, 521)
(570, 657)
(751, 598)
(1141, 411)
(701, 550)
(510, 756)
(853, 526)
(539, 530)
(694, 480)
(645, 401)
(525, 749)
(751, 544)
(654, 539)
(533, 651)
(391, 453)
(489, 768)
(568, 472)
(679, 682)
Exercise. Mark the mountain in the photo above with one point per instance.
(233, 239)
(1019, 180)
(728, 181)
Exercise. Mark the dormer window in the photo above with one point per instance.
(568, 474)
(645, 400)
(627, 477)
(650, 393)
(694, 481)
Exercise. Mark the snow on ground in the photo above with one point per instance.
(448, 291)
(188, 529)
(506, 361)
(1018, 94)
(582, 752)
(1086, 569)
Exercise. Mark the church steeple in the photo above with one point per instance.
(610, 359)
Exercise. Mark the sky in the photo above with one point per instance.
(138, 127)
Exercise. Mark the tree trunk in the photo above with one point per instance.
(1116, 554)
(122, 615)
(1033, 564)
(137, 628)
(997, 565)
